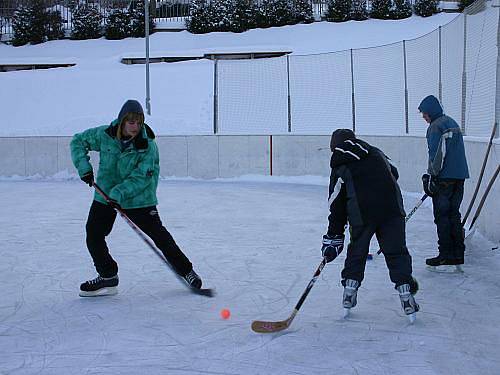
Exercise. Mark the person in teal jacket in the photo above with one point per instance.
(444, 181)
(129, 167)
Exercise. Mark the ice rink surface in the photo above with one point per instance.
(258, 244)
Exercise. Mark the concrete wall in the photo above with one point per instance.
(285, 155)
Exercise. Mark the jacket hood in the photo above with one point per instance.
(130, 106)
(431, 106)
(349, 151)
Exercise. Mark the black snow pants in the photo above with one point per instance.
(100, 222)
(392, 240)
(446, 206)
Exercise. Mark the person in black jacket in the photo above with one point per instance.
(364, 193)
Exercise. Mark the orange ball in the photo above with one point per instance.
(225, 313)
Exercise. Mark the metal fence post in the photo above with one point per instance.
(289, 98)
(464, 76)
(407, 127)
(216, 99)
(353, 101)
(148, 93)
(440, 83)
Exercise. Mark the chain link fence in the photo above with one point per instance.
(375, 91)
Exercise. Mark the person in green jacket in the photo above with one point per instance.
(129, 167)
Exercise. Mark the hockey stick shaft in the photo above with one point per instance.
(481, 174)
(205, 292)
(485, 195)
(270, 327)
(414, 209)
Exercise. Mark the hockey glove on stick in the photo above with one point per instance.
(332, 246)
(430, 185)
(88, 178)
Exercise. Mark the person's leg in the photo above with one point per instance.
(149, 221)
(99, 224)
(442, 206)
(357, 252)
(456, 221)
(391, 237)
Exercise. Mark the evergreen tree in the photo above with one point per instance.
(402, 9)
(244, 16)
(339, 10)
(138, 20)
(426, 8)
(220, 12)
(198, 23)
(381, 9)
(21, 26)
(118, 25)
(54, 28)
(86, 22)
(38, 21)
(278, 12)
(303, 11)
(358, 10)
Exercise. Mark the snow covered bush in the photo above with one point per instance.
(118, 25)
(426, 8)
(401, 9)
(303, 12)
(359, 10)
(21, 26)
(277, 12)
(199, 22)
(339, 10)
(381, 9)
(86, 22)
(54, 26)
(244, 16)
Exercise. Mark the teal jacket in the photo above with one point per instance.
(129, 176)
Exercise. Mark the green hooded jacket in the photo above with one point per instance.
(129, 176)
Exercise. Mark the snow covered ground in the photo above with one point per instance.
(257, 243)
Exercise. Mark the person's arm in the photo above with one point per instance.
(81, 144)
(436, 155)
(140, 178)
(337, 220)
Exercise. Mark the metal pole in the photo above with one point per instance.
(497, 94)
(353, 103)
(216, 101)
(440, 84)
(407, 127)
(464, 76)
(148, 96)
(289, 98)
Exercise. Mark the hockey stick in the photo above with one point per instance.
(205, 291)
(481, 174)
(424, 197)
(261, 326)
(483, 199)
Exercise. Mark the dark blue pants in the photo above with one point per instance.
(100, 222)
(446, 205)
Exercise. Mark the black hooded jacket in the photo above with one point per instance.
(363, 187)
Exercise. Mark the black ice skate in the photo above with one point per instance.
(410, 307)
(445, 265)
(100, 286)
(349, 299)
(193, 279)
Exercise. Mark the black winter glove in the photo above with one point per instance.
(115, 204)
(430, 185)
(332, 246)
(88, 178)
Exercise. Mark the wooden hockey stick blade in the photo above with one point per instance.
(260, 326)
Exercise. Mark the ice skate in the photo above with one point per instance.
(349, 299)
(100, 286)
(193, 280)
(410, 307)
(443, 265)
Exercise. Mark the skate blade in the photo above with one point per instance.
(110, 291)
(446, 269)
(412, 317)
